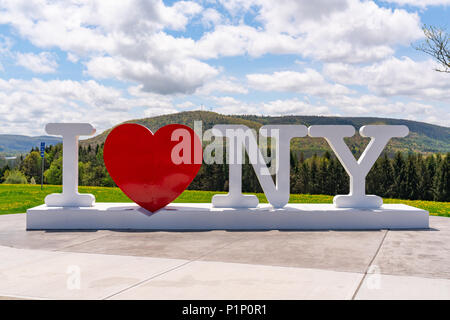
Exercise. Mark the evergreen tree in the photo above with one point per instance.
(301, 158)
(411, 178)
(442, 180)
(323, 177)
(386, 179)
(301, 184)
(399, 185)
(293, 161)
(373, 179)
(425, 183)
(313, 173)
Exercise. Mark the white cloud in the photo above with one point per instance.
(129, 38)
(235, 40)
(185, 105)
(395, 77)
(225, 85)
(44, 62)
(371, 105)
(27, 105)
(308, 82)
(295, 107)
(178, 76)
(211, 17)
(84, 26)
(122, 34)
(230, 105)
(72, 57)
(339, 30)
(420, 3)
(5, 45)
(362, 105)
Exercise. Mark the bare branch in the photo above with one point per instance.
(437, 45)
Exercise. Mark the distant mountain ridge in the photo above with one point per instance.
(423, 137)
(14, 144)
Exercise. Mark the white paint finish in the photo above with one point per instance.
(203, 216)
(358, 170)
(46, 274)
(240, 137)
(391, 287)
(219, 280)
(70, 196)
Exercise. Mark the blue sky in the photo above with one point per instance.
(105, 62)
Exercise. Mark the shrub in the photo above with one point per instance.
(15, 177)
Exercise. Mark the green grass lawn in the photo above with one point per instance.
(18, 198)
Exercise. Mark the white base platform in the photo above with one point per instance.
(202, 216)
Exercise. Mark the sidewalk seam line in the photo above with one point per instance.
(369, 265)
(77, 244)
(145, 280)
(167, 271)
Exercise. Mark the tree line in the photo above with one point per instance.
(404, 176)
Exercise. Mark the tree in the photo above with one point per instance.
(53, 175)
(411, 178)
(31, 166)
(399, 186)
(85, 174)
(313, 173)
(2, 172)
(301, 179)
(425, 185)
(323, 177)
(437, 45)
(373, 179)
(442, 180)
(15, 177)
(387, 176)
(302, 157)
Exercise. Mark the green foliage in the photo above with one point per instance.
(403, 176)
(54, 174)
(18, 198)
(3, 170)
(31, 166)
(423, 138)
(442, 180)
(14, 177)
(86, 174)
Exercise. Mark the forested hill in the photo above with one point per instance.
(423, 137)
(15, 144)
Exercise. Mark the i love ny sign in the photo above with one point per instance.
(153, 169)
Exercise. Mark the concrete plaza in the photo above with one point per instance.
(381, 264)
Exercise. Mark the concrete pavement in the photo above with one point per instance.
(224, 264)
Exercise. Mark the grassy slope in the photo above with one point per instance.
(18, 198)
(423, 137)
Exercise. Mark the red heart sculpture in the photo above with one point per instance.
(152, 169)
